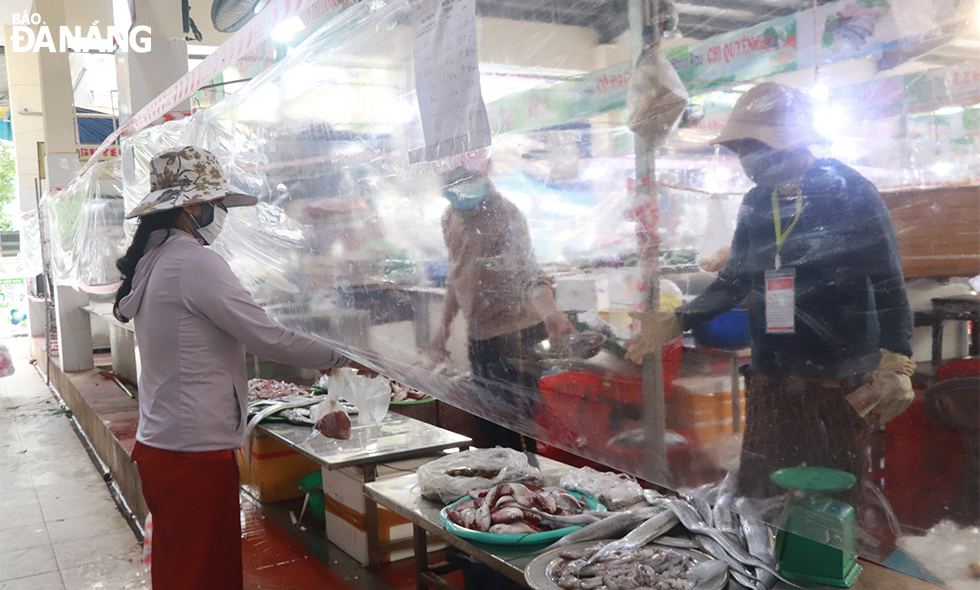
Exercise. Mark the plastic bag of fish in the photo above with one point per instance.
(403, 393)
(515, 509)
(450, 478)
(614, 490)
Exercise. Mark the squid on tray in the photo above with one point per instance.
(515, 509)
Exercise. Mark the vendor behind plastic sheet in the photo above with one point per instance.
(507, 300)
(815, 252)
(194, 322)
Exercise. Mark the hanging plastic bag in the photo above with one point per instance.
(6, 362)
(656, 97)
(329, 417)
(715, 247)
(371, 396)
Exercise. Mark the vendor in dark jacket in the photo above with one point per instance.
(815, 253)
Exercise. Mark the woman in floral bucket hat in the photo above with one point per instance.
(194, 322)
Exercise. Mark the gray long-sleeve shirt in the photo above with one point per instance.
(194, 321)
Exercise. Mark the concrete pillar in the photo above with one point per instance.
(61, 157)
(61, 165)
(74, 330)
(143, 76)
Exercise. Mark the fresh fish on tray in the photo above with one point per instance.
(607, 528)
(653, 527)
(514, 508)
(692, 521)
(647, 568)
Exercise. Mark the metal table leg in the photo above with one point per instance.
(426, 576)
(371, 520)
(736, 401)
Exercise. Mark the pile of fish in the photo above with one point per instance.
(270, 389)
(516, 509)
(402, 393)
(648, 568)
(745, 545)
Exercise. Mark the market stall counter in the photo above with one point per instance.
(394, 438)
(401, 495)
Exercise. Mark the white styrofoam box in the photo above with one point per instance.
(708, 384)
(346, 486)
(576, 293)
(353, 541)
(602, 292)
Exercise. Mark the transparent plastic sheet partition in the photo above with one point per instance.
(137, 151)
(30, 243)
(355, 247)
(86, 229)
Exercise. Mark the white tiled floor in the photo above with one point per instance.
(59, 529)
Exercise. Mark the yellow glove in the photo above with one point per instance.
(892, 382)
(656, 329)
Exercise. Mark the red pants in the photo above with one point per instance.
(197, 532)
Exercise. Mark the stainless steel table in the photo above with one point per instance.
(122, 342)
(396, 437)
(400, 496)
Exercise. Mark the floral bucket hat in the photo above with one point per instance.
(184, 176)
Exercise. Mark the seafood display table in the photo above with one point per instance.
(396, 437)
(401, 496)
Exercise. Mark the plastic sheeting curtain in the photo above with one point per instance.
(85, 221)
(353, 245)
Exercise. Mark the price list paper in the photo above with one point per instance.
(447, 80)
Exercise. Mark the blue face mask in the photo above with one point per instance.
(466, 194)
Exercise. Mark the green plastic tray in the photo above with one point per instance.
(411, 402)
(525, 539)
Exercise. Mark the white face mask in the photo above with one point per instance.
(209, 230)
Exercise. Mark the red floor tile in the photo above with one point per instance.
(274, 560)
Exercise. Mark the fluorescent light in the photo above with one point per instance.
(285, 32)
(819, 92)
(951, 110)
(941, 168)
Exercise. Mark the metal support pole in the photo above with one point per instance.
(644, 24)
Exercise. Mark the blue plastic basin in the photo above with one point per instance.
(729, 331)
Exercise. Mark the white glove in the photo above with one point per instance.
(892, 382)
(656, 330)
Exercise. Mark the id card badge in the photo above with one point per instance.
(780, 301)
